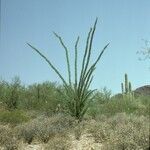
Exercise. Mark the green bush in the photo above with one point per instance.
(102, 96)
(10, 93)
(13, 117)
(41, 97)
(119, 105)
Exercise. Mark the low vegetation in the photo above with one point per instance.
(40, 117)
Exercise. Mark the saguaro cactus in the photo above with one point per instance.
(126, 84)
(122, 88)
(127, 88)
(130, 87)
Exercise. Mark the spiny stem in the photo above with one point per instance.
(90, 48)
(67, 55)
(100, 55)
(51, 65)
(88, 53)
(76, 59)
(92, 68)
(84, 57)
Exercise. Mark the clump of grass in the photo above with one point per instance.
(77, 93)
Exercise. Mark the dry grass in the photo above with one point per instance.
(7, 139)
(121, 132)
(43, 128)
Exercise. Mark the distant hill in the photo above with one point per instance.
(144, 90)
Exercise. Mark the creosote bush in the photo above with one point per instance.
(77, 93)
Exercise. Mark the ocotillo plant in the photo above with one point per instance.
(77, 93)
(127, 88)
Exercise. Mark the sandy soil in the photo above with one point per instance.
(86, 142)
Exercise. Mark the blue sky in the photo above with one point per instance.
(123, 23)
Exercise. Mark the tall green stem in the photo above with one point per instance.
(67, 56)
(51, 65)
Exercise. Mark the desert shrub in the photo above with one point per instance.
(93, 111)
(26, 132)
(144, 102)
(13, 117)
(4, 92)
(10, 93)
(122, 132)
(42, 97)
(118, 105)
(100, 131)
(55, 125)
(13, 95)
(7, 139)
(102, 96)
(43, 128)
(103, 103)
